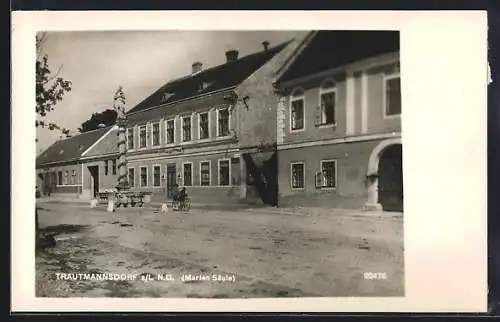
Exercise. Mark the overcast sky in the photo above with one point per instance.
(140, 61)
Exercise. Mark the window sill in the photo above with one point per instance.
(327, 125)
(327, 188)
(222, 137)
(392, 116)
(297, 131)
(297, 189)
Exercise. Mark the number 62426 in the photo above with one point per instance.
(375, 276)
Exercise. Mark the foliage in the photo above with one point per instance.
(107, 117)
(50, 89)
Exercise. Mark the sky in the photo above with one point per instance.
(97, 62)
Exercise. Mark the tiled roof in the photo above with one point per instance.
(187, 106)
(330, 49)
(209, 80)
(71, 148)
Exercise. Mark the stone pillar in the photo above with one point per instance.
(243, 178)
(122, 164)
(372, 201)
(122, 161)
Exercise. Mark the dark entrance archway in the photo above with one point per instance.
(390, 181)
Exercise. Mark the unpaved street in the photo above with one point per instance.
(269, 253)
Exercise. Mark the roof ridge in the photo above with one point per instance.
(260, 52)
(272, 51)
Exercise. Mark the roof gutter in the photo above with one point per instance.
(184, 99)
(43, 165)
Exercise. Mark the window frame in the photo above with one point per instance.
(128, 176)
(145, 136)
(303, 175)
(106, 167)
(140, 176)
(386, 78)
(208, 125)
(217, 111)
(113, 166)
(153, 177)
(152, 133)
(183, 117)
(128, 131)
(166, 133)
(293, 98)
(321, 162)
(183, 175)
(229, 172)
(327, 90)
(209, 173)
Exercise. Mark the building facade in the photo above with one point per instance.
(190, 132)
(80, 166)
(339, 122)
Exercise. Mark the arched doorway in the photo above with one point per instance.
(385, 177)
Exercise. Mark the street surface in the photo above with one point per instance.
(245, 253)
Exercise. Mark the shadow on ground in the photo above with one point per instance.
(63, 229)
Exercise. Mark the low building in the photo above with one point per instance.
(191, 131)
(339, 122)
(80, 166)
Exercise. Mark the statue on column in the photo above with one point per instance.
(119, 106)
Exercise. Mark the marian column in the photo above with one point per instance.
(122, 150)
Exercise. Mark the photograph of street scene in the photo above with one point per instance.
(219, 164)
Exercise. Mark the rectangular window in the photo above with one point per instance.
(170, 131)
(156, 176)
(186, 128)
(224, 175)
(73, 177)
(223, 122)
(156, 134)
(130, 138)
(106, 167)
(142, 136)
(66, 176)
(114, 166)
(144, 176)
(205, 173)
(297, 175)
(392, 96)
(327, 108)
(297, 115)
(235, 171)
(131, 177)
(329, 173)
(187, 176)
(204, 134)
(59, 178)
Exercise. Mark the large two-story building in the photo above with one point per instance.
(339, 121)
(191, 131)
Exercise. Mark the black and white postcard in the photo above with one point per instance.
(287, 161)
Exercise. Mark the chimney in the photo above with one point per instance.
(197, 67)
(231, 55)
(265, 44)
